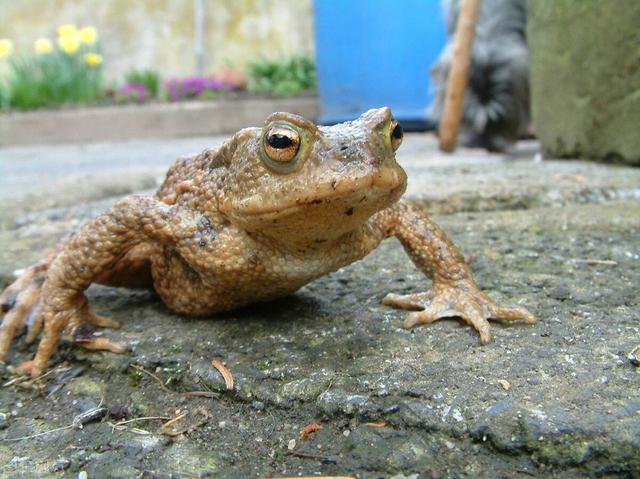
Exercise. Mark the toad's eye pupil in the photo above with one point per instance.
(279, 141)
(397, 132)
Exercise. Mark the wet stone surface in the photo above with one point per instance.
(556, 399)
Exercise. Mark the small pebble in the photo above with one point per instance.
(391, 409)
(634, 356)
(118, 412)
(505, 384)
(60, 465)
(4, 422)
(291, 444)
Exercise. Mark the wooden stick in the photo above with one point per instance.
(458, 75)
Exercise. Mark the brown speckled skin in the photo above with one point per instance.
(226, 229)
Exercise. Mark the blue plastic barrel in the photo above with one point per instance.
(372, 53)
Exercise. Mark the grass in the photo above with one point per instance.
(5, 98)
(149, 78)
(281, 78)
(53, 79)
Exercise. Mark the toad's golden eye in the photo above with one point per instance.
(281, 143)
(396, 134)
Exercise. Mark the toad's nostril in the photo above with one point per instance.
(397, 132)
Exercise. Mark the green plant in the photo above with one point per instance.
(283, 77)
(54, 79)
(149, 78)
(70, 73)
(5, 98)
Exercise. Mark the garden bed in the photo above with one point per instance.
(154, 120)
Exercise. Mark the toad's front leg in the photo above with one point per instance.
(94, 249)
(454, 292)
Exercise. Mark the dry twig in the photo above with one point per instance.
(164, 429)
(206, 394)
(591, 261)
(144, 418)
(77, 423)
(316, 477)
(27, 378)
(319, 457)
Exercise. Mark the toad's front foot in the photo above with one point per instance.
(463, 300)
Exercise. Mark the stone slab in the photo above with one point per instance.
(391, 403)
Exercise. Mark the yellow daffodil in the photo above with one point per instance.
(69, 44)
(42, 46)
(6, 47)
(67, 30)
(92, 59)
(88, 35)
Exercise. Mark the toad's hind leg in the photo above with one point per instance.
(133, 270)
(99, 246)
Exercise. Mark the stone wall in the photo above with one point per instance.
(585, 78)
(160, 34)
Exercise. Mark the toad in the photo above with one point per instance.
(255, 219)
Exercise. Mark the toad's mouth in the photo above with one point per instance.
(386, 182)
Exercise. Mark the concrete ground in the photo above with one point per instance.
(556, 399)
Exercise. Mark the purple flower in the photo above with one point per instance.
(194, 87)
(131, 92)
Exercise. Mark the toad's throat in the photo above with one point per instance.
(385, 182)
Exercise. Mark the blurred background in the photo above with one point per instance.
(180, 49)
(99, 97)
(534, 70)
(161, 35)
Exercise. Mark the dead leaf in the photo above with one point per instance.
(575, 177)
(505, 384)
(309, 429)
(376, 425)
(226, 374)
